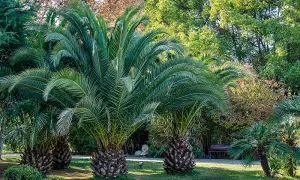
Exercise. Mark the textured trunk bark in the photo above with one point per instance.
(179, 157)
(109, 163)
(291, 167)
(40, 158)
(264, 162)
(61, 154)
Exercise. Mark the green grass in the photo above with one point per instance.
(80, 169)
(6, 149)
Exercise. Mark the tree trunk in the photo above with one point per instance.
(291, 163)
(61, 154)
(291, 166)
(1, 144)
(236, 48)
(179, 157)
(2, 132)
(264, 162)
(39, 158)
(109, 163)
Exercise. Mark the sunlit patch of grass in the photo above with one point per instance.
(81, 163)
(10, 159)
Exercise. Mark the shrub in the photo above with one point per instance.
(198, 152)
(292, 78)
(81, 142)
(156, 152)
(252, 101)
(23, 172)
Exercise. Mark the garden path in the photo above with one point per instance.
(147, 159)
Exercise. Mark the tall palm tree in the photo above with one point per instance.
(255, 141)
(116, 79)
(288, 113)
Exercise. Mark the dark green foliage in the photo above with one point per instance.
(156, 152)
(13, 17)
(292, 77)
(289, 107)
(22, 172)
(263, 33)
(81, 142)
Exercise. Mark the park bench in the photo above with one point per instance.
(218, 149)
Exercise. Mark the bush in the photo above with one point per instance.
(81, 142)
(156, 152)
(23, 172)
(198, 152)
(252, 101)
(292, 78)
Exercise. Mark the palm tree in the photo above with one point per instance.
(288, 113)
(38, 54)
(35, 133)
(182, 107)
(255, 141)
(116, 80)
(29, 84)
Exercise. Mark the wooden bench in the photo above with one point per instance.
(218, 149)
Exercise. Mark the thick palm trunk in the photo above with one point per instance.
(40, 158)
(61, 154)
(109, 163)
(291, 165)
(264, 162)
(179, 157)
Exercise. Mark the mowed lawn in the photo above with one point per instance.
(80, 169)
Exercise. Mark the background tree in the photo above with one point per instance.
(262, 33)
(13, 17)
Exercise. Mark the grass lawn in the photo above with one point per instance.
(80, 169)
